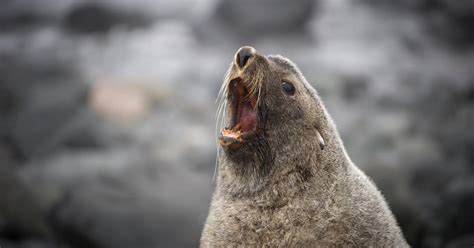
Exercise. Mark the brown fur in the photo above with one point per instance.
(280, 189)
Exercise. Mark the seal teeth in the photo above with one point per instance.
(230, 137)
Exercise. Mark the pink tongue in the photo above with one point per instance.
(248, 117)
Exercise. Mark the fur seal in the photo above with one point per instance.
(284, 178)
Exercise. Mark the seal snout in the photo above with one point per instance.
(243, 90)
(243, 55)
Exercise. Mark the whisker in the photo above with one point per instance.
(220, 114)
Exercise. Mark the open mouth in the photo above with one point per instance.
(243, 113)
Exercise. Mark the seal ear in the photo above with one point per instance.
(320, 140)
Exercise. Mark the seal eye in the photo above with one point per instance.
(288, 88)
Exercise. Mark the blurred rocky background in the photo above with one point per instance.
(107, 110)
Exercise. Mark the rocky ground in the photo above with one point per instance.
(107, 110)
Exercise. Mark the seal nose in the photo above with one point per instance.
(243, 55)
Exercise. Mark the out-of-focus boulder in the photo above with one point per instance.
(259, 18)
(455, 21)
(48, 117)
(461, 242)
(122, 217)
(17, 15)
(444, 188)
(20, 213)
(448, 21)
(28, 243)
(418, 5)
(458, 217)
(44, 105)
(95, 17)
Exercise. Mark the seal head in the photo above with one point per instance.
(263, 100)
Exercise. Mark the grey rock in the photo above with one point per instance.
(29, 243)
(21, 215)
(461, 242)
(95, 17)
(260, 18)
(120, 218)
(448, 21)
(43, 122)
(45, 104)
(458, 219)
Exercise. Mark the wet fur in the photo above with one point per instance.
(281, 189)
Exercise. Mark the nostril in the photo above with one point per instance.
(243, 56)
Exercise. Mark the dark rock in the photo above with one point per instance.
(458, 217)
(355, 87)
(444, 190)
(44, 105)
(461, 242)
(3, 224)
(100, 18)
(66, 233)
(416, 5)
(18, 15)
(449, 120)
(48, 118)
(28, 243)
(451, 22)
(445, 215)
(20, 21)
(259, 18)
(20, 212)
(448, 21)
(121, 218)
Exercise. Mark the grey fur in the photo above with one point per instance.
(283, 188)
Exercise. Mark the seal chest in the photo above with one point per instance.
(284, 177)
